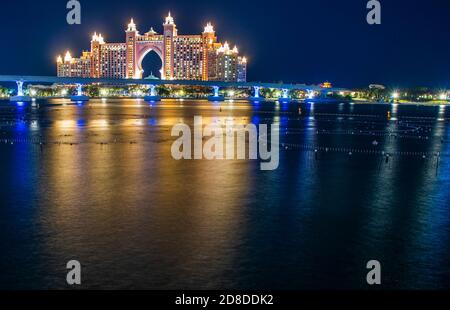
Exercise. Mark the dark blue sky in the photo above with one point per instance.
(305, 41)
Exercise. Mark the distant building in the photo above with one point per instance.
(377, 86)
(74, 67)
(242, 69)
(151, 77)
(183, 57)
(326, 85)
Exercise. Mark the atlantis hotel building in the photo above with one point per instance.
(183, 57)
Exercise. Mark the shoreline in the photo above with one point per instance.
(430, 103)
(268, 100)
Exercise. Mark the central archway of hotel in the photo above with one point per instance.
(150, 64)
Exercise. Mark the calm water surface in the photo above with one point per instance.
(103, 188)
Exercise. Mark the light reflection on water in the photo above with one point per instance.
(102, 188)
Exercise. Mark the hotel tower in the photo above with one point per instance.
(183, 57)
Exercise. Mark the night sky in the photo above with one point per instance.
(304, 41)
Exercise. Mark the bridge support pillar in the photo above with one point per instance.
(216, 96)
(323, 94)
(284, 96)
(153, 96)
(79, 97)
(257, 96)
(310, 96)
(20, 96)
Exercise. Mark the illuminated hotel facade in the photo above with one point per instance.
(183, 57)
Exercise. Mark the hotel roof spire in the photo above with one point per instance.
(68, 57)
(209, 28)
(131, 26)
(98, 38)
(169, 20)
(151, 32)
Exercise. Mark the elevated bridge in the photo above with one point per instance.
(153, 96)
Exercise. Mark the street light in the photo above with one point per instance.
(103, 92)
